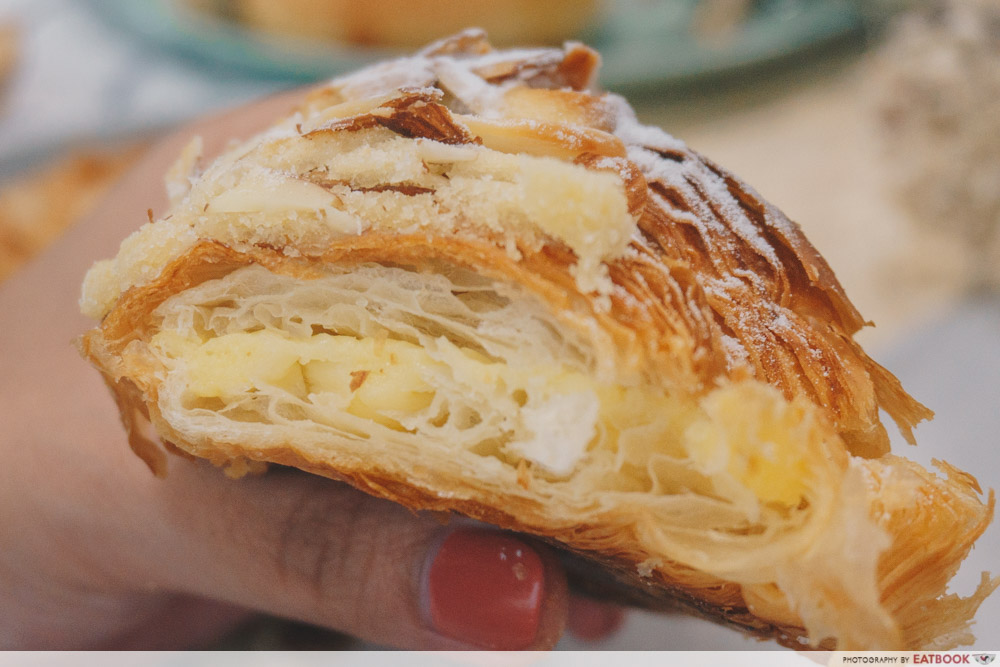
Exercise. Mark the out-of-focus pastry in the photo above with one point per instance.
(35, 209)
(9, 51)
(411, 23)
(464, 282)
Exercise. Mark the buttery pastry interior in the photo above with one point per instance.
(463, 282)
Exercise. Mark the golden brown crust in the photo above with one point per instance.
(714, 286)
(918, 550)
(609, 575)
(546, 274)
(714, 254)
(407, 23)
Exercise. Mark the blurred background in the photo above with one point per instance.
(875, 124)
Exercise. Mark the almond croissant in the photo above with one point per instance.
(464, 282)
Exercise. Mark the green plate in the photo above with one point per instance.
(644, 43)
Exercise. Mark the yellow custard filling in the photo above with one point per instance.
(556, 415)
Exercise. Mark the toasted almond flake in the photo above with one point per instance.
(183, 171)
(559, 106)
(357, 379)
(269, 192)
(565, 142)
(344, 110)
(438, 153)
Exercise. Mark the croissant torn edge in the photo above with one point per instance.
(468, 171)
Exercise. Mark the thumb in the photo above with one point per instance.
(308, 548)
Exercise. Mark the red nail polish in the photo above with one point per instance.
(486, 588)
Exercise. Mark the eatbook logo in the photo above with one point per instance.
(953, 658)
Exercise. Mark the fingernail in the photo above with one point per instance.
(486, 588)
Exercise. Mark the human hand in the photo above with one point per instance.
(98, 553)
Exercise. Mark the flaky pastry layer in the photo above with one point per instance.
(463, 282)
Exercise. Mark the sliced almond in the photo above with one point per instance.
(266, 193)
(564, 142)
(344, 110)
(183, 170)
(436, 152)
(559, 106)
(318, 99)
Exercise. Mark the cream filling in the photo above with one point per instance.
(395, 383)
(474, 370)
(553, 415)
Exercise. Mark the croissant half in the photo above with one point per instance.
(464, 282)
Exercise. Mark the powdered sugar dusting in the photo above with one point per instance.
(472, 90)
(459, 74)
(782, 323)
(632, 132)
(736, 354)
(475, 79)
(535, 57)
(713, 209)
(387, 77)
